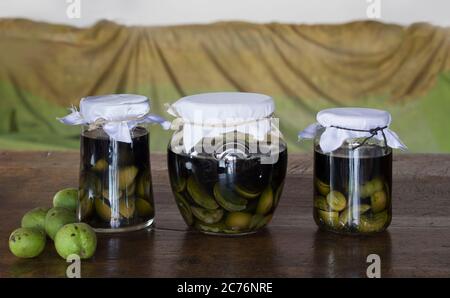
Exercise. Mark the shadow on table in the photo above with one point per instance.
(219, 256)
(346, 256)
(49, 263)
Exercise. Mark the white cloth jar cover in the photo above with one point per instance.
(209, 115)
(343, 124)
(117, 114)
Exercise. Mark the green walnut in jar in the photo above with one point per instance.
(353, 169)
(115, 191)
(227, 162)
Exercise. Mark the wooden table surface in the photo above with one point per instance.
(416, 244)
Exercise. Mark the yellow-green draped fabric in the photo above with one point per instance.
(45, 68)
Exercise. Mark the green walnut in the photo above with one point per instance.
(346, 216)
(178, 183)
(336, 200)
(27, 242)
(56, 218)
(35, 218)
(378, 201)
(258, 221)
(66, 198)
(238, 220)
(322, 187)
(100, 165)
(103, 209)
(126, 176)
(219, 227)
(330, 218)
(227, 199)
(277, 195)
(85, 208)
(375, 223)
(143, 207)
(199, 195)
(245, 193)
(185, 209)
(377, 184)
(321, 203)
(76, 238)
(206, 215)
(366, 190)
(265, 202)
(370, 187)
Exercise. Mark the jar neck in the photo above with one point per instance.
(368, 145)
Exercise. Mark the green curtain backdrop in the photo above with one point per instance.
(45, 68)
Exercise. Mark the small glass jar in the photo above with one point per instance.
(353, 170)
(226, 178)
(115, 188)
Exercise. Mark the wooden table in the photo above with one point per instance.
(416, 244)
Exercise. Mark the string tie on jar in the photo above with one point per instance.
(373, 132)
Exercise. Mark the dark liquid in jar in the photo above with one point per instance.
(115, 181)
(226, 197)
(352, 193)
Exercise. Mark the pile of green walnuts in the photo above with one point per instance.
(59, 224)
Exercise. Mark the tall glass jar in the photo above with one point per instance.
(353, 170)
(115, 189)
(227, 162)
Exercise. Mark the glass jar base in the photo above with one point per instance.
(133, 228)
(349, 233)
(240, 234)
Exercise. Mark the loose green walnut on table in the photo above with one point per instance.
(76, 238)
(35, 218)
(56, 218)
(66, 198)
(27, 242)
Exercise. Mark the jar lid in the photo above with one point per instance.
(114, 107)
(343, 124)
(117, 114)
(212, 114)
(354, 118)
(217, 107)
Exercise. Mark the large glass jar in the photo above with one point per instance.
(226, 176)
(115, 188)
(353, 170)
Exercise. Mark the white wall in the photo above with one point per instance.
(164, 12)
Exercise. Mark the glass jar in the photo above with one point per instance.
(115, 188)
(353, 170)
(226, 177)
